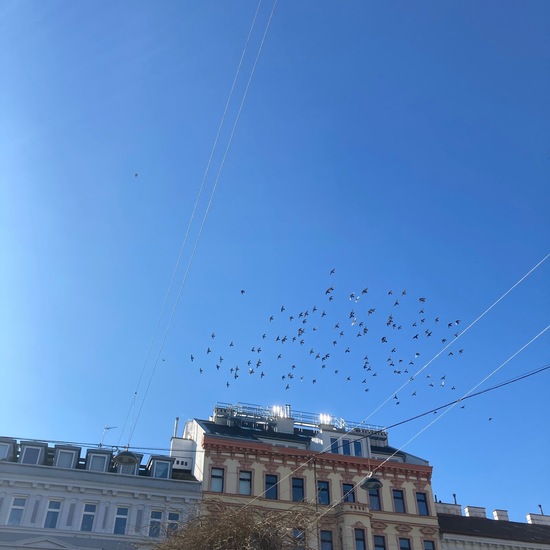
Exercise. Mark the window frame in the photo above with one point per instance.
(28, 447)
(376, 494)
(358, 444)
(246, 483)
(86, 514)
(302, 489)
(218, 478)
(155, 523)
(398, 496)
(349, 495)
(123, 520)
(428, 542)
(17, 510)
(173, 522)
(157, 464)
(334, 445)
(328, 543)
(404, 543)
(93, 456)
(362, 538)
(346, 447)
(323, 488)
(422, 505)
(272, 487)
(379, 542)
(52, 513)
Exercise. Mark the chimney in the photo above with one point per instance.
(446, 508)
(176, 423)
(538, 519)
(475, 512)
(501, 515)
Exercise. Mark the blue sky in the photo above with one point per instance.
(403, 144)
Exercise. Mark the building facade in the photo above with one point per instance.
(275, 459)
(65, 497)
(474, 531)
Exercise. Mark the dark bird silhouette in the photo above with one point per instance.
(192, 357)
(271, 318)
(242, 291)
(200, 370)
(213, 335)
(384, 340)
(415, 337)
(217, 367)
(227, 384)
(422, 300)
(365, 290)
(287, 387)
(282, 308)
(231, 344)
(332, 271)
(208, 351)
(371, 311)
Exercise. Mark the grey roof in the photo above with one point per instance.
(495, 529)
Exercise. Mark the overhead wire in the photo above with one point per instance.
(191, 219)
(182, 285)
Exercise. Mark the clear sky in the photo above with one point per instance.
(403, 144)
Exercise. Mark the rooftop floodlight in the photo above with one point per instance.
(324, 418)
(370, 483)
(126, 458)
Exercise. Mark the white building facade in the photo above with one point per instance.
(58, 496)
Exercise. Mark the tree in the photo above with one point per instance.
(242, 527)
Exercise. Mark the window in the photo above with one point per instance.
(173, 522)
(16, 512)
(429, 545)
(216, 480)
(422, 502)
(97, 462)
(4, 451)
(404, 544)
(245, 483)
(155, 523)
(127, 469)
(271, 487)
(161, 469)
(298, 494)
(360, 539)
(299, 536)
(88, 517)
(379, 542)
(334, 445)
(348, 490)
(398, 501)
(52, 514)
(326, 540)
(346, 447)
(323, 494)
(374, 499)
(65, 459)
(121, 520)
(30, 455)
(358, 447)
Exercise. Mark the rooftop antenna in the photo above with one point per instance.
(454, 497)
(105, 430)
(540, 508)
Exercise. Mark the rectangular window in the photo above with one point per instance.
(30, 455)
(429, 545)
(88, 516)
(127, 469)
(271, 486)
(155, 523)
(360, 539)
(121, 520)
(374, 499)
(65, 459)
(404, 544)
(334, 445)
(216, 480)
(4, 450)
(298, 494)
(346, 447)
(16, 512)
(52, 514)
(299, 536)
(326, 540)
(379, 542)
(173, 522)
(422, 502)
(97, 463)
(245, 483)
(398, 501)
(161, 469)
(323, 493)
(358, 447)
(348, 490)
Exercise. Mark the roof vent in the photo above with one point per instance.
(475, 512)
(501, 515)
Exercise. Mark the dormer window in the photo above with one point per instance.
(32, 454)
(65, 457)
(98, 460)
(160, 467)
(5, 450)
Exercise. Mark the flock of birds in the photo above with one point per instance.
(368, 339)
